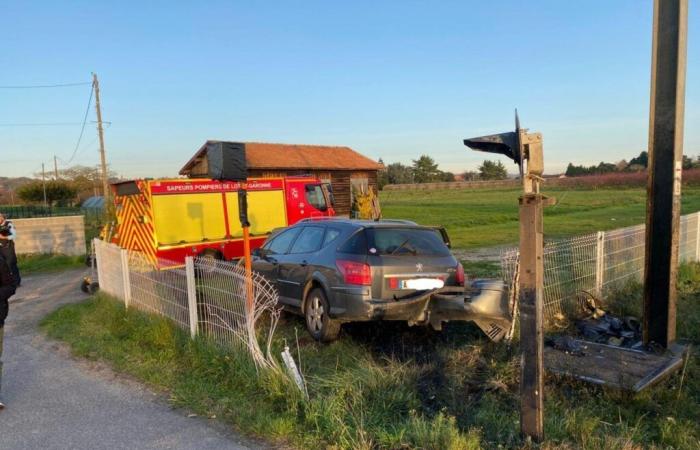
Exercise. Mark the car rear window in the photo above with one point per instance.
(406, 242)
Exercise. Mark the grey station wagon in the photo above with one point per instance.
(340, 270)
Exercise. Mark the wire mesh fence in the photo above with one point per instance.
(162, 292)
(110, 271)
(210, 298)
(597, 263)
(229, 306)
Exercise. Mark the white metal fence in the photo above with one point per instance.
(598, 262)
(205, 297)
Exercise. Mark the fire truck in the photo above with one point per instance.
(170, 219)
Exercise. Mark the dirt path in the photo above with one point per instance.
(57, 402)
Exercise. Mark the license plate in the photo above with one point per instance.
(422, 284)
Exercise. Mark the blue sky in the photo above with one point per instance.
(390, 79)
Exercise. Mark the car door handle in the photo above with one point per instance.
(304, 263)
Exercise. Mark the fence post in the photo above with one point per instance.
(600, 263)
(126, 276)
(191, 295)
(697, 236)
(98, 259)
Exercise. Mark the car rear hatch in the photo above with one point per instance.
(406, 260)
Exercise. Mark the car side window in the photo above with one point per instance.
(357, 244)
(331, 235)
(280, 243)
(308, 241)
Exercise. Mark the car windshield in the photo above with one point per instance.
(406, 241)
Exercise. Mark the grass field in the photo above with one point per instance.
(30, 264)
(484, 218)
(388, 386)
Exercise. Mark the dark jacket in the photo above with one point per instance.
(7, 289)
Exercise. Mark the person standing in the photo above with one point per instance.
(8, 234)
(7, 290)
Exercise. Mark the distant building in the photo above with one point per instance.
(343, 167)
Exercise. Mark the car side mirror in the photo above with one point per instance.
(258, 252)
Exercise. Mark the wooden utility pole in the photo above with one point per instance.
(100, 133)
(43, 182)
(526, 150)
(667, 107)
(55, 168)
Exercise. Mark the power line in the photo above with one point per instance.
(39, 124)
(82, 128)
(43, 86)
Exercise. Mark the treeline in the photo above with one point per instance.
(636, 164)
(425, 170)
(72, 186)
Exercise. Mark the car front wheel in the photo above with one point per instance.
(318, 322)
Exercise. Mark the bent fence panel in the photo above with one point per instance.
(224, 317)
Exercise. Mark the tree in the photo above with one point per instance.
(470, 175)
(425, 169)
(689, 163)
(642, 160)
(446, 176)
(491, 170)
(397, 173)
(57, 191)
(382, 176)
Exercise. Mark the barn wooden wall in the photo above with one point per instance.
(339, 179)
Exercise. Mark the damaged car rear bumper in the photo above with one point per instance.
(484, 303)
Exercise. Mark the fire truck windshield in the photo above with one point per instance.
(315, 197)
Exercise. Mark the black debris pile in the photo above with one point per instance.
(567, 344)
(605, 328)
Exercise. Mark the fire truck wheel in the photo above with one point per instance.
(93, 287)
(210, 259)
(318, 322)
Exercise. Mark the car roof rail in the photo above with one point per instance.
(320, 218)
(402, 221)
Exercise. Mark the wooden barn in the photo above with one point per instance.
(343, 167)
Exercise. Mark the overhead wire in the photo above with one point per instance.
(43, 86)
(39, 124)
(82, 128)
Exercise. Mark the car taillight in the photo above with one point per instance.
(460, 275)
(355, 272)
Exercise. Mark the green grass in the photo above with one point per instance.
(385, 385)
(484, 218)
(31, 264)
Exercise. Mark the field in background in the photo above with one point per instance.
(485, 218)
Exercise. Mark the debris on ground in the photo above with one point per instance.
(605, 328)
(601, 327)
(567, 344)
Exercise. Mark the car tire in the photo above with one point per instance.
(318, 322)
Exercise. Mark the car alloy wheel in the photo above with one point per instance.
(318, 322)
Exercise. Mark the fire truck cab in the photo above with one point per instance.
(170, 219)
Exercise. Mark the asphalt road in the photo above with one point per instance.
(55, 401)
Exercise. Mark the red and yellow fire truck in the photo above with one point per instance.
(171, 219)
